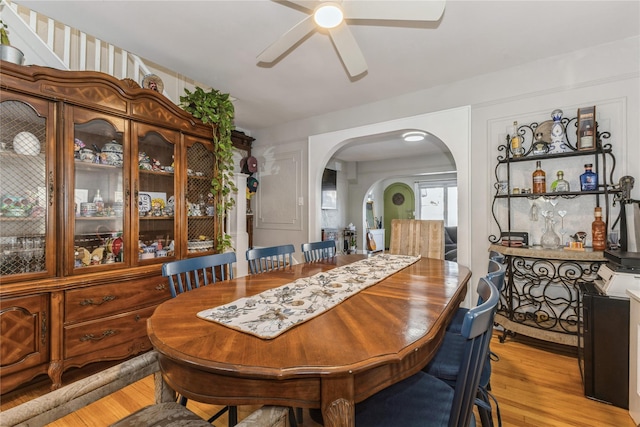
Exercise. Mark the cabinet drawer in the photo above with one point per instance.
(105, 334)
(106, 300)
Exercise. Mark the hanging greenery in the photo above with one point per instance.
(4, 37)
(216, 109)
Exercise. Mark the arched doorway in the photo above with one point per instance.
(450, 126)
(399, 203)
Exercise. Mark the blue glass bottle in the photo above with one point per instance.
(589, 179)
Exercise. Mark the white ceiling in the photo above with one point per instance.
(216, 43)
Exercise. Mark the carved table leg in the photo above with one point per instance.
(340, 413)
(338, 407)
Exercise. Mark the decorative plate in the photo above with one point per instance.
(144, 203)
(26, 143)
(153, 82)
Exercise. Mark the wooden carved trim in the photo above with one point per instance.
(339, 413)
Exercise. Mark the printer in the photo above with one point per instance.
(622, 272)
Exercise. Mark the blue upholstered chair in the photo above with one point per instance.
(271, 258)
(266, 259)
(187, 274)
(315, 251)
(445, 364)
(424, 400)
(496, 273)
(496, 256)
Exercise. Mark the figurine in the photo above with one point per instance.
(580, 237)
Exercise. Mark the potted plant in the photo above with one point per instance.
(216, 109)
(7, 52)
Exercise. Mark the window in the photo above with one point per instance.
(438, 200)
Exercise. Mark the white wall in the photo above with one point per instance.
(588, 77)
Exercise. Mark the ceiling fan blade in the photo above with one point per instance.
(394, 10)
(307, 4)
(287, 40)
(348, 49)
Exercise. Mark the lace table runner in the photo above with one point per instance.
(274, 311)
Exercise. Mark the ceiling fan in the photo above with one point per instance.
(331, 15)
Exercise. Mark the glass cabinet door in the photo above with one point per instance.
(97, 144)
(156, 195)
(27, 203)
(200, 204)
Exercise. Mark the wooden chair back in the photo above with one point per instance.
(58, 403)
(270, 258)
(315, 251)
(187, 274)
(417, 237)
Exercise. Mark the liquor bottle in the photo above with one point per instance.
(97, 200)
(598, 231)
(516, 142)
(539, 180)
(557, 132)
(586, 137)
(589, 179)
(560, 184)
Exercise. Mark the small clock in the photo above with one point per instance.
(397, 199)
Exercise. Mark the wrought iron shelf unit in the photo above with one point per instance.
(541, 297)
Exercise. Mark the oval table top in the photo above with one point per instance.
(373, 339)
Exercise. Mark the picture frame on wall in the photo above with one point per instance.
(587, 129)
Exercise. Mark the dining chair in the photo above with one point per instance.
(266, 259)
(496, 256)
(417, 237)
(425, 400)
(496, 274)
(270, 258)
(315, 251)
(446, 362)
(188, 274)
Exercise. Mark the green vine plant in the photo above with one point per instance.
(4, 37)
(216, 109)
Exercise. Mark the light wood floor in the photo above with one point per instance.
(534, 386)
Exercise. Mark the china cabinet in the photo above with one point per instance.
(101, 182)
(541, 295)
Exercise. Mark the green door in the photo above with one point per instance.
(399, 202)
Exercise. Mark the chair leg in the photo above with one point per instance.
(218, 414)
(486, 420)
(292, 417)
(233, 416)
(483, 402)
(299, 415)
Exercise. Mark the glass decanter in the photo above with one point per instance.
(549, 239)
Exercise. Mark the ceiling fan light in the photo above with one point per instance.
(414, 136)
(328, 15)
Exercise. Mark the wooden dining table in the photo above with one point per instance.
(375, 338)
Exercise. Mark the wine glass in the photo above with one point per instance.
(563, 231)
(26, 253)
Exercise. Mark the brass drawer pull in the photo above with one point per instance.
(91, 337)
(106, 298)
(161, 287)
